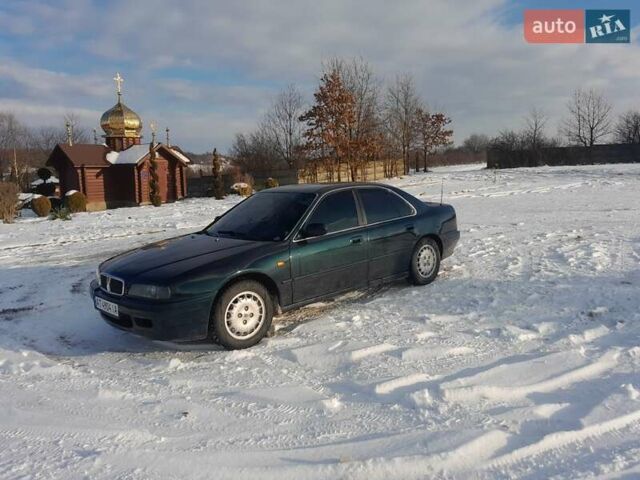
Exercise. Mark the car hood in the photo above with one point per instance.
(167, 252)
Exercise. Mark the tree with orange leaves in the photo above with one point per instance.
(431, 132)
(329, 124)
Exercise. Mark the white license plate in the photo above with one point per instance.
(107, 307)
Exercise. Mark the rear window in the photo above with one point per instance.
(381, 204)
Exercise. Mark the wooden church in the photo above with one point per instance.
(116, 173)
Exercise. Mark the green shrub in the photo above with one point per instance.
(41, 206)
(76, 202)
(271, 183)
(44, 174)
(56, 203)
(46, 189)
(8, 201)
(216, 172)
(60, 214)
(154, 188)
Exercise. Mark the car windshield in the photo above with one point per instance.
(266, 216)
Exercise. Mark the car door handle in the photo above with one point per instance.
(355, 240)
(410, 228)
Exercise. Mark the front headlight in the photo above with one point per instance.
(149, 291)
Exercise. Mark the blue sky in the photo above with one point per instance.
(209, 69)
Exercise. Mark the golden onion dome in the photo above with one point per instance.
(121, 121)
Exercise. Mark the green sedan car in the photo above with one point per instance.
(277, 250)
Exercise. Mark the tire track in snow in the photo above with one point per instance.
(464, 457)
(401, 382)
(361, 353)
(558, 440)
(493, 392)
(469, 454)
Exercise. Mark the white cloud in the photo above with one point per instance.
(39, 114)
(42, 83)
(222, 96)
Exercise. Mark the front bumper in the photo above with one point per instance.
(449, 242)
(180, 320)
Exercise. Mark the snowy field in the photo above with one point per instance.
(521, 361)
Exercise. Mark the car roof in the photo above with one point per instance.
(320, 188)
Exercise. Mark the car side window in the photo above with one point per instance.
(381, 204)
(337, 211)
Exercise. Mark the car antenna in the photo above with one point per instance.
(441, 190)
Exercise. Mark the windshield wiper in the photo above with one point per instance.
(230, 233)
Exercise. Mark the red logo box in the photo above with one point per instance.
(554, 26)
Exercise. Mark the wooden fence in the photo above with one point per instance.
(372, 172)
(380, 169)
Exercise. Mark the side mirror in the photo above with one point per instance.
(314, 230)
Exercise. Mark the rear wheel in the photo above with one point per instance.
(242, 315)
(425, 262)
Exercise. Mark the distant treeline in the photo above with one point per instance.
(559, 156)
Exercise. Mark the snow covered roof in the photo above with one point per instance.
(38, 181)
(135, 153)
(130, 156)
(178, 154)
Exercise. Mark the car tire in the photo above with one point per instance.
(242, 315)
(425, 262)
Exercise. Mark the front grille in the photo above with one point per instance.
(112, 285)
(116, 286)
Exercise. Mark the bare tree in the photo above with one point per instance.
(476, 143)
(627, 129)
(23, 149)
(401, 105)
(39, 142)
(254, 151)
(535, 122)
(282, 123)
(509, 140)
(44, 139)
(13, 138)
(79, 134)
(589, 119)
(276, 142)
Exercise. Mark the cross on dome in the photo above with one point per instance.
(119, 80)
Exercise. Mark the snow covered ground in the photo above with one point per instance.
(521, 361)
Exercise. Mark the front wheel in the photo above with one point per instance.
(425, 262)
(242, 315)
